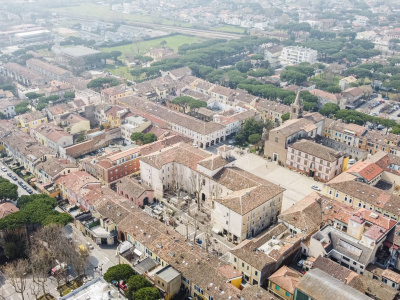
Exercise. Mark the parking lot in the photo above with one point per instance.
(379, 107)
(21, 191)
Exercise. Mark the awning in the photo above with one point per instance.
(125, 246)
(137, 252)
(390, 245)
(216, 230)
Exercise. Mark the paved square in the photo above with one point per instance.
(297, 185)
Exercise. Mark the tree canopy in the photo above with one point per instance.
(35, 209)
(102, 81)
(329, 109)
(188, 103)
(118, 273)
(8, 190)
(147, 293)
(250, 132)
(146, 138)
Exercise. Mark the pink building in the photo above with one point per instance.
(314, 160)
(131, 189)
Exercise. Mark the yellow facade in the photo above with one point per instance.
(276, 289)
(249, 272)
(237, 282)
(25, 126)
(345, 163)
(357, 203)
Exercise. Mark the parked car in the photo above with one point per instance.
(20, 182)
(9, 174)
(14, 177)
(380, 127)
(89, 245)
(352, 161)
(123, 285)
(315, 187)
(29, 191)
(4, 169)
(300, 263)
(63, 267)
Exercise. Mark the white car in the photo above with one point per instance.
(89, 245)
(300, 263)
(3, 169)
(315, 187)
(231, 141)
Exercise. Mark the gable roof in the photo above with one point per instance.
(7, 208)
(319, 285)
(305, 214)
(367, 170)
(317, 150)
(286, 278)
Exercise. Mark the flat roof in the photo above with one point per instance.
(168, 273)
(79, 51)
(30, 33)
(97, 289)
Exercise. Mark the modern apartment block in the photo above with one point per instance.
(294, 55)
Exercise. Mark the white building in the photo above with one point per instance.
(294, 55)
(133, 124)
(241, 203)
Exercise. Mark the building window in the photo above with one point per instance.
(277, 288)
(276, 140)
(256, 273)
(287, 294)
(234, 259)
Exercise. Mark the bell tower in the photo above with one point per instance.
(296, 108)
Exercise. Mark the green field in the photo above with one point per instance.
(103, 12)
(141, 47)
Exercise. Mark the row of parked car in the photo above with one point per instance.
(15, 178)
(25, 187)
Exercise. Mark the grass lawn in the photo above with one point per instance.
(121, 71)
(141, 47)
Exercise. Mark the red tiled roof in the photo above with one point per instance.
(368, 170)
